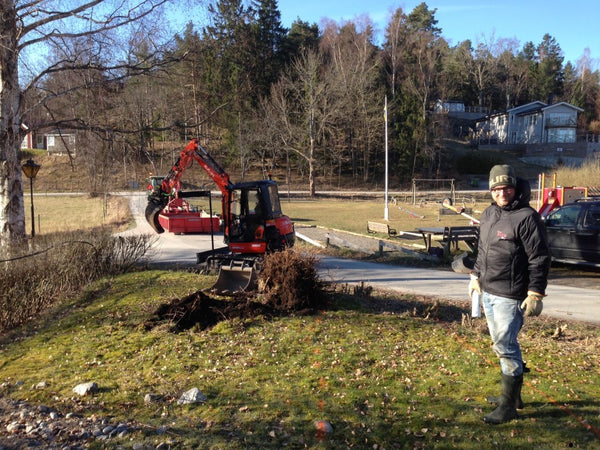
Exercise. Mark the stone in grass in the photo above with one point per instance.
(194, 395)
(42, 385)
(323, 426)
(86, 388)
(152, 398)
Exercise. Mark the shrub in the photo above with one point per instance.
(41, 272)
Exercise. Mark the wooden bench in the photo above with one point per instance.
(377, 227)
(453, 235)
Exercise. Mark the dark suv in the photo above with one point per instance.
(574, 232)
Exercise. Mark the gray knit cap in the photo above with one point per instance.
(502, 175)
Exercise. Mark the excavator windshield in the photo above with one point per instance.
(247, 213)
(274, 200)
(245, 202)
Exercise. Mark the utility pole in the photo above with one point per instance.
(386, 213)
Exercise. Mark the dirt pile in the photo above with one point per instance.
(288, 284)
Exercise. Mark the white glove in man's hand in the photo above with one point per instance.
(532, 305)
(474, 286)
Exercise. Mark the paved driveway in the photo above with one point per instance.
(168, 248)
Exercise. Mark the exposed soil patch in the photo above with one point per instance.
(288, 284)
(202, 311)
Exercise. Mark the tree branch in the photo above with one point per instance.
(108, 24)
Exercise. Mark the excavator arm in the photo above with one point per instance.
(169, 186)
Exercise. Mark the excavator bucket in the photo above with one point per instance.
(153, 209)
(235, 277)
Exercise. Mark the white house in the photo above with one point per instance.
(58, 143)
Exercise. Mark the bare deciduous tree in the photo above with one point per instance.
(393, 48)
(85, 33)
(299, 104)
(358, 107)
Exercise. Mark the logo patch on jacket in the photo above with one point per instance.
(501, 235)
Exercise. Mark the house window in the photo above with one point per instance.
(532, 120)
(561, 135)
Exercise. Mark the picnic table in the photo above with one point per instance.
(448, 236)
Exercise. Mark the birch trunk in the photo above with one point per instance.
(12, 212)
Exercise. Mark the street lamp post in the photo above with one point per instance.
(30, 169)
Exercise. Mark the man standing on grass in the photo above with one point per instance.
(511, 275)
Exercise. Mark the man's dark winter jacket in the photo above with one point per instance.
(513, 255)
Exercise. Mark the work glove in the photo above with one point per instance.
(474, 286)
(532, 305)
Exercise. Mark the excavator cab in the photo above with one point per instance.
(246, 215)
(257, 225)
(154, 184)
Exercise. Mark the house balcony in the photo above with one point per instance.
(561, 122)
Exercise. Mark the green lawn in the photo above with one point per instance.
(353, 215)
(387, 371)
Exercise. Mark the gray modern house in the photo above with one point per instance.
(543, 132)
(533, 123)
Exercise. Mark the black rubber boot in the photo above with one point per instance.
(495, 400)
(506, 410)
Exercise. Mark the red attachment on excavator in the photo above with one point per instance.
(177, 217)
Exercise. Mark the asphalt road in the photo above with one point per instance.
(562, 301)
(565, 302)
(169, 249)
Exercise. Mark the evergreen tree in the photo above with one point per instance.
(301, 37)
(550, 80)
(229, 50)
(270, 36)
(458, 83)
(423, 19)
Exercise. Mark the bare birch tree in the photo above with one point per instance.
(27, 29)
(355, 72)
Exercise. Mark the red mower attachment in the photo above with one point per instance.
(179, 217)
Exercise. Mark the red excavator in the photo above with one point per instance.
(253, 223)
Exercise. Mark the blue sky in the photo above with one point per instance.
(575, 24)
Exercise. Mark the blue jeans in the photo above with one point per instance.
(505, 319)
